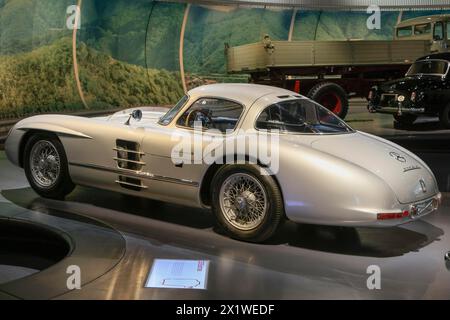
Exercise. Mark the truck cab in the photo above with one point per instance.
(435, 28)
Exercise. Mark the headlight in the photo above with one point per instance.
(413, 96)
(401, 98)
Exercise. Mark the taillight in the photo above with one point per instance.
(413, 96)
(392, 215)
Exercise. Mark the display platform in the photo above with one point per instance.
(116, 240)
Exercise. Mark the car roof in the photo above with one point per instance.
(244, 93)
(438, 56)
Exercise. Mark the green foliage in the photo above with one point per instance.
(43, 81)
(29, 24)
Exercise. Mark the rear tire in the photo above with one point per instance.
(332, 96)
(444, 117)
(254, 203)
(46, 166)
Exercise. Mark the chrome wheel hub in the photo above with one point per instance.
(243, 201)
(45, 164)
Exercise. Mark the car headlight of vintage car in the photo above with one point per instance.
(413, 96)
(401, 98)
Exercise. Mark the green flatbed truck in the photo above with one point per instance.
(332, 71)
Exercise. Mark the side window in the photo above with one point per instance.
(404, 32)
(421, 29)
(438, 33)
(212, 113)
(286, 116)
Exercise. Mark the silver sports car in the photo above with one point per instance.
(318, 170)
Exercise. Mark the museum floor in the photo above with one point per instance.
(114, 240)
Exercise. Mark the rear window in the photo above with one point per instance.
(300, 116)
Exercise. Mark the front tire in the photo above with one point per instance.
(248, 206)
(444, 117)
(46, 166)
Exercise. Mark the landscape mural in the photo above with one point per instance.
(127, 52)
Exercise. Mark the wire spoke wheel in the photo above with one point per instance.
(243, 201)
(45, 164)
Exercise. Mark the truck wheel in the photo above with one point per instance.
(444, 117)
(46, 168)
(331, 96)
(404, 120)
(248, 206)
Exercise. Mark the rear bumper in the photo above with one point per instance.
(370, 218)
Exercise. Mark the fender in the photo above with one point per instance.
(13, 144)
(42, 126)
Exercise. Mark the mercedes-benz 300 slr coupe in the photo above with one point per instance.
(327, 173)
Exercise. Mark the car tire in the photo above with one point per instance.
(332, 96)
(404, 120)
(259, 193)
(444, 117)
(46, 167)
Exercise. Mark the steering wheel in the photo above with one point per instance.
(194, 113)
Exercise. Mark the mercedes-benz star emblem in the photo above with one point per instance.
(423, 185)
(397, 156)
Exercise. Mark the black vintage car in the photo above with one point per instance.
(425, 90)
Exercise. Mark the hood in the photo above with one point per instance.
(410, 84)
(409, 178)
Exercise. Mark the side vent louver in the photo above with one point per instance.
(129, 157)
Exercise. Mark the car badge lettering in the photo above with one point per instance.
(397, 156)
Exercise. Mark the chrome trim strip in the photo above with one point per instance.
(127, 160)
(132, 184)
(129, 151)
(137, 174)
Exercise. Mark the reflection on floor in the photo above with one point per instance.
(301, 262)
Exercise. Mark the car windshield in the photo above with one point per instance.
(301, 116)
(167, 118)
(428, 67)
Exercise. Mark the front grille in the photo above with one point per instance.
(389, 100)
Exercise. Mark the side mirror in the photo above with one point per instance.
(136, 115)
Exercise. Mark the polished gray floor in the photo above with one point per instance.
(120, 237)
